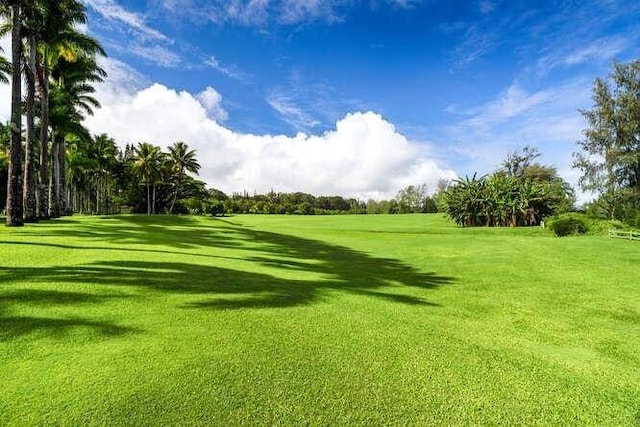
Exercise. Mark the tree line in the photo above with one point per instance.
(101, 178)
(411, 199)
(58, 66)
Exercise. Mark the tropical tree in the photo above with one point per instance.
(71, 100)
(520, 193)
(33, 15)
(147, 164)
(181, 160)
(609, 158)
(14, 190)
(59, 40)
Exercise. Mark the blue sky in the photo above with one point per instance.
(441, 88)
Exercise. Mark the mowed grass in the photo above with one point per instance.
(315, 320)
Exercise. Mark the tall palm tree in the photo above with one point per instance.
(14, 187)
(182, 160)
(104, 150)
(148, 160)
(33, 15)
(71, 99)
(59, 40)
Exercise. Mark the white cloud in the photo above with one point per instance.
(291, 113)
(598, 51)
(364, 156)
(231, 71)
(159, 55)
(262, 12)
(111, 10)
(212, 101)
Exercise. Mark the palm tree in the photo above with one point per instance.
(33, 16)
(104, 150)
(14, 190)
(148, 160)
(182, 160)
(71, 99)
(58, 40)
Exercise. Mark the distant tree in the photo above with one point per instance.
(441, 187)
(518, 161)
(609, 156)
(411, 199)
(147, 164)
(181, 160)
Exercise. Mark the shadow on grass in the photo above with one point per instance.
(13, 326)
(304, 271)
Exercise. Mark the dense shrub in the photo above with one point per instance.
(568, 224)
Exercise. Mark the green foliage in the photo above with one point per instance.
(335, 320)
(520, 194)
(582, 223)
(291, 204)
(415, 199)
(568, 224)
(609, 156)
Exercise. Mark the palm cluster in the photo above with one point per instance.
(103, 179)
(58, 66)
(504, 200)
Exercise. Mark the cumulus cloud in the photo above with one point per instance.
(212, 101)
(364, 156)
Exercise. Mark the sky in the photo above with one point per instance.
(354, 97)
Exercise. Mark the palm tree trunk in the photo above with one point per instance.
(153, 205)
(14, 185)
(43, 176)
(54, 189)
(148, 199)
(62, 183)
(175, 196)
(29, 190)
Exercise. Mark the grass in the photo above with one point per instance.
(315, 320)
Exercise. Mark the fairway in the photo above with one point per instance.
(401, 319)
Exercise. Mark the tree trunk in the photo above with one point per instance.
(43, 177)
(62, 191)
(153, 204)
(148, 199)
(14, 185)
(175, 195)
(54, 189)
(29, 190)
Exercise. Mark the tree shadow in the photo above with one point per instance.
(287, 270)
(177, 232)
(14, 326)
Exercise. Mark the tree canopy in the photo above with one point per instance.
(609, 156)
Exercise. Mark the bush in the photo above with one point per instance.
(567, 224)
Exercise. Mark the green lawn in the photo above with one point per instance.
(316, 320)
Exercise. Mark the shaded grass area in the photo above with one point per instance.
(262, 320)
